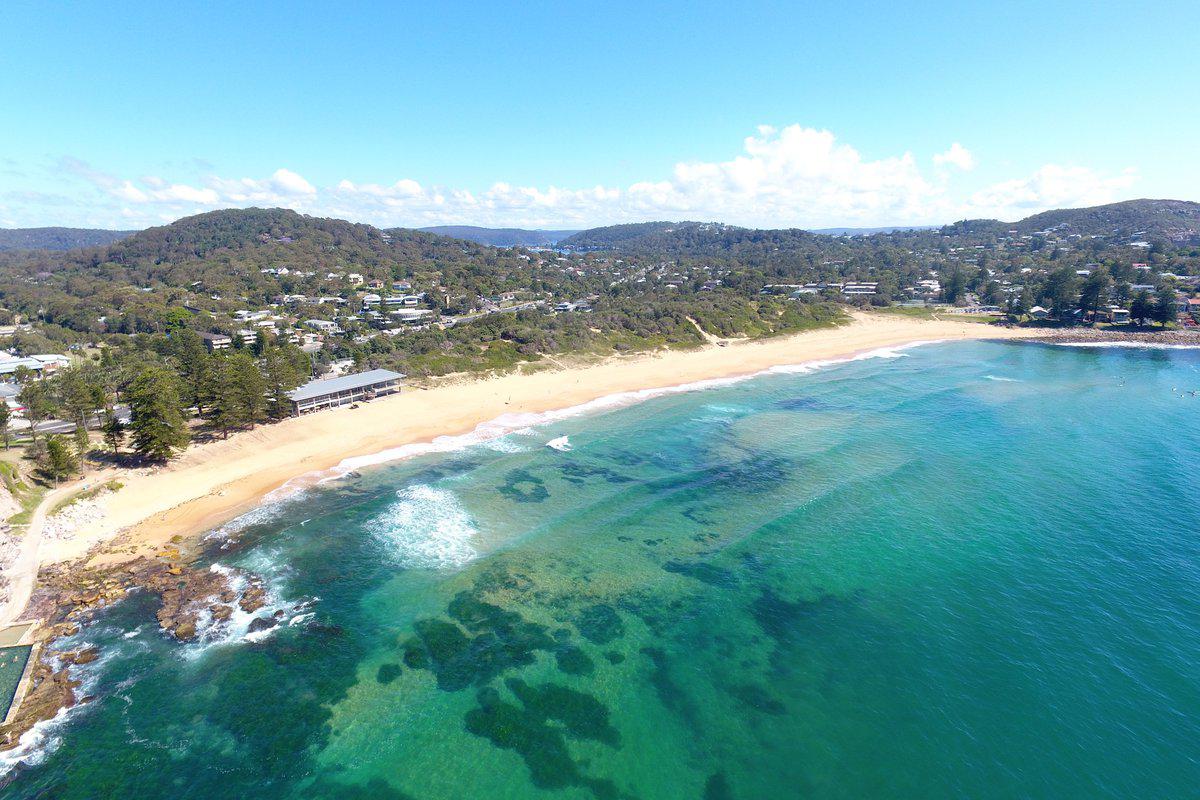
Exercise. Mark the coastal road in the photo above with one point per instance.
(64, 426)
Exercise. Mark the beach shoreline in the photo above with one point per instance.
(213, 483)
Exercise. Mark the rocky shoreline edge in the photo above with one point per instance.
(1082, 335)
(70, 595)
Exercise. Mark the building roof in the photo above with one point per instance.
(333, 385)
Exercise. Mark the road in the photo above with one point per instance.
(22, 573)
(63, 426)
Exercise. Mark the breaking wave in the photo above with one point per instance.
(427, 527)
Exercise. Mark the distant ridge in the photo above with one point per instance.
(58, 238)
(501, 237)
(870, 231)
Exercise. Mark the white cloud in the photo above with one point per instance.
(1052, 186)
(957, 156)
(790, 176)
(288, 182)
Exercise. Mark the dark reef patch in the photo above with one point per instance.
(703, 572)
(502, 640)
(801, 404)
(387, 673)
(527, 730)
(374, 789)
(780, 618)
(524, 487)
(758, 698)
(717, 787)
(573, 661)
(600, 624)
(577, 473)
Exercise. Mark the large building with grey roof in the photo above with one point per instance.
(355, 388)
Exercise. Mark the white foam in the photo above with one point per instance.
(560, 443)
(426, 527)
(215, 633)
(505, 444)
(44, 737)
(1001, 379)
(36, 743)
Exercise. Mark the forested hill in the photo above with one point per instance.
(1170, 220)
(57, 238)
(1177, 220)
(501, 237)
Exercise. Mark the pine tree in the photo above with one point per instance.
(157, 423)
(57, 460)
(35, 397)
(284, 368)
(5, 418)
(1142, 307)
(114, 431)
(1164, 306)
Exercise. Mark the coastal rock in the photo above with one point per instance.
(254, 598)
(262, 624)
(49, 690)
(85, 656)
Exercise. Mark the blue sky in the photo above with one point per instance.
(573, 114)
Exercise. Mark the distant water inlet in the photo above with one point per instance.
(961, 570)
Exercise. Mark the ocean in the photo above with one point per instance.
(956, 570)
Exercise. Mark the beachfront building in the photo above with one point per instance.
(330, 392)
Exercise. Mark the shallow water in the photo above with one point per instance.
(969, 571)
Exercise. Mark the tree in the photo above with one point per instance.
(237, 392)
(156, 414)
(955, 286)
(194, 365)
(1095, 290)
(284, 368)
(5, 418)
(57, 460)
(35, 397)
(114, 431)
(1060, 290)
(1142, 307)
(79, 395)
(1164, 306)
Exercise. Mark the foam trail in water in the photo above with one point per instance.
(1001, 379)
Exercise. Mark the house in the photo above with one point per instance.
(42, 364)
(412, 314)
(330, 392)
(859, 289)
(216, 341)
(355, 279)
(323, 325)
(1113, 314)
(1039, 313)
(372, 300)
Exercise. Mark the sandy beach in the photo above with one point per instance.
(216, 481)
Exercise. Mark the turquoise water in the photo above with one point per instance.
(12, 668)
(972, 570)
